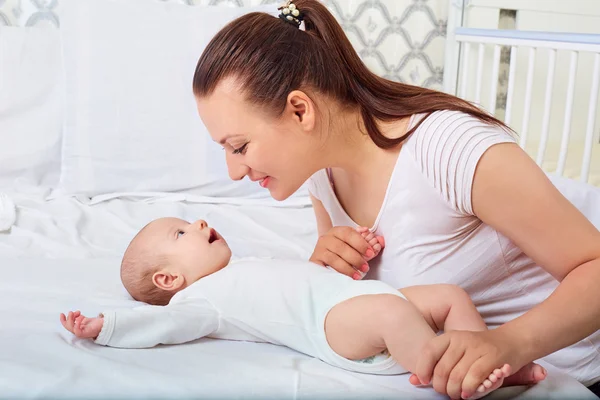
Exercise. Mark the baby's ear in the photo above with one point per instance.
(167, 281)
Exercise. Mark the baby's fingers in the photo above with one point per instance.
(63, 320)
(67, 321)
(80, 324)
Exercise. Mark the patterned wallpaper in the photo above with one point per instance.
(402, 40)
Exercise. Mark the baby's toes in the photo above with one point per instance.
(377, 247)
(373, 242)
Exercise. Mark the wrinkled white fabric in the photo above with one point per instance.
(8, 213)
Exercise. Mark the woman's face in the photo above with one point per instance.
(277, 153)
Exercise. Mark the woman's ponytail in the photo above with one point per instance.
(271, 57)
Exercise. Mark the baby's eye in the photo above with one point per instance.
(180, 233)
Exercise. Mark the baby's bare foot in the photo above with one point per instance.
(530, 374)
(374, 241)
(493, 382)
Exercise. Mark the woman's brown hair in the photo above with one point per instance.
(270, 57)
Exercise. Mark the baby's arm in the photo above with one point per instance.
(146, 326)
(80, 325)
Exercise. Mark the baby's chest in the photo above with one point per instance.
(284, 290)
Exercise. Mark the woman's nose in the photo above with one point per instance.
(237, 170)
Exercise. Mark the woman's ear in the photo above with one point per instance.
(166, 280)
(302, 108)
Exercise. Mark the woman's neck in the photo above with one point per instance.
(350, 147)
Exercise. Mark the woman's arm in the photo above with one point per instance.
(323, 220)
(513, 195)
(518, 200)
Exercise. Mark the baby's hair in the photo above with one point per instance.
(138, 266)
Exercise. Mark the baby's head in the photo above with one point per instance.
(168, 255)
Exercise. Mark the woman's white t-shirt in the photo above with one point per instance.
(432, 235)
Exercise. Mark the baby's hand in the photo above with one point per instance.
(376, 242)
(81, 326)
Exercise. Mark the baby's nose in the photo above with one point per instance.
(201, 224)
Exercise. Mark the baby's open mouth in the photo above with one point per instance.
(213, 236)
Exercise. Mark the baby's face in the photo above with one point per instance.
(193, 250)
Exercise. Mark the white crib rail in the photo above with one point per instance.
(575, 44)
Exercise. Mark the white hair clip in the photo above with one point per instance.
(290, 13)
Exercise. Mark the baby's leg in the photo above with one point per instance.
(447, 308)
(358, 328)
(366, 325)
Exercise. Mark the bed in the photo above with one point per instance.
(63, 254)
(79, 201)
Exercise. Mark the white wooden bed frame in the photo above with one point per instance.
(464, 76)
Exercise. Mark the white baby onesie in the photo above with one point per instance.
(283, 302)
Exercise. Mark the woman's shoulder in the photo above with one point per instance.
(446, 148)
(453, 122)
(452, 131)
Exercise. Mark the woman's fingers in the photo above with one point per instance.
(348, 253)
(353, 239)
(374, 241)
(340, 265)
(347, 250)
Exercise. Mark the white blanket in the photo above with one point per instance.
(63, 255)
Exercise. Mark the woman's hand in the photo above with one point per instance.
(347, 250)
(456, 362)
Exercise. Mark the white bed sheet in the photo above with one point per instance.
(62, 255)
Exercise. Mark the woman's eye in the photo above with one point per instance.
(240, 150)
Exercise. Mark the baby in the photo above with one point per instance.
(184, 272)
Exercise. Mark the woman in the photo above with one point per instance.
(455, 198)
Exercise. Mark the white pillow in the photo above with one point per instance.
(582, 195)
(132, 124)
(30, 107)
